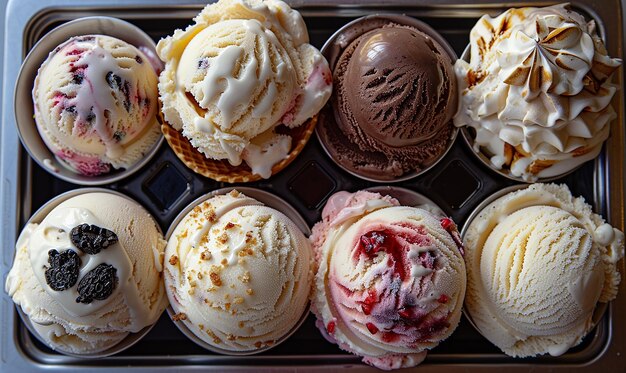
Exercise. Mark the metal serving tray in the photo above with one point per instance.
(458, 184)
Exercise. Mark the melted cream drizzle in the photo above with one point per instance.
(53, 233)
(97, 63)
(238, 90)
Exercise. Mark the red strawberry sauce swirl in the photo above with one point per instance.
(390, 295)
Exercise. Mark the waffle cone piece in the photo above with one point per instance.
(221, 170)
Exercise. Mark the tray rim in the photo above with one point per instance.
(19, 14)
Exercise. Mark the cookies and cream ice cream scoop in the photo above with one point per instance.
(89, 273)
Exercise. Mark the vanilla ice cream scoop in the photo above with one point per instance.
(243, 68)
(537, 90)
(390, 280)
(95, 101)
(538, 263)
(238, 274)
(89, 273)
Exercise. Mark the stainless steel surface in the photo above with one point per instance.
(26, 21)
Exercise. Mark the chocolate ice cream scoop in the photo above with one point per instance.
(399, 79)
(390, 115)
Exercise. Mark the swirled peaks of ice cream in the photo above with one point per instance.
(390, 280)
(537, 90)
(95, 101)
(89, 273)
(538, 262)
(243, 69)
(238, 273)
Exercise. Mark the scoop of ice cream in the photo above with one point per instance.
(395, 98)
(240, 71)
(390, 280)
(537, 90)
(89, 273)
(238, 273)
(395, 86)
(95, 101)
(538, 262)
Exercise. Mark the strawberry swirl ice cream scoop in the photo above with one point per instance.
(95, 100)
(390, 280)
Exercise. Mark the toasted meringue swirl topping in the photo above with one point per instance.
(537, 90)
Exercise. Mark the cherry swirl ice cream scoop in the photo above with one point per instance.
(390, 280)
(95, 100)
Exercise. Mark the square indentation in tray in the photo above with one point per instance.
(312, 185)
(456, 184)
(166, 186)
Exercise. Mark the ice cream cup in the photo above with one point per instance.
(342, 38)
(132, 338)
(269, 200)
(407, 197)
(375, 240)
(600, 308)
(469, 140)
(23, 102)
